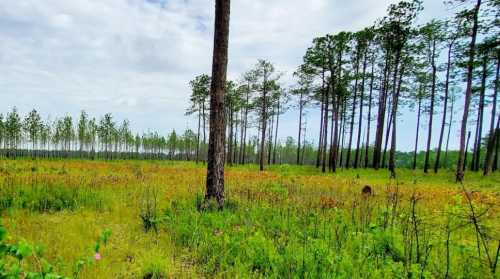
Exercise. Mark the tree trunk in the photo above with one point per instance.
(198, 139)
(325, 129)
(377, 150)
(368, 120)
(416, 136)
(321, 130)
(445, 109)
(276, 132)
(468, 95)
(244, 144)
(215, 167)
(263, 124)
(353, 114)
(301, 107)
(431, 113)
(480, 117)
(395, 100)
(466, 151)
(360, 120)
(493, 134)
(270, 137)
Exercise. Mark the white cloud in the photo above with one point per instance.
(134, 58)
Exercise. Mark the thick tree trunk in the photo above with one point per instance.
(215, 168)
(468, 95)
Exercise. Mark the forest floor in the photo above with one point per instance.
(287, 222)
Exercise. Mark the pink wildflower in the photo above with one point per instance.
(97, 256)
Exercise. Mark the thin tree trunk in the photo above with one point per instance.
(243, 157)
(416, 135)
(479, 133)
(215, 168)
(431, 113)
(353, 114)
(325, 130)
(270, 137)
(263, 124)
(449, 130)
(276, 132)
(395, 100)
(387, 133)
(493, 135)
(445, 109)
(468, 95)
(360, 120)
(301, 107)
(368, 120)
(466, 151)
(198, 139)
(377, 151)
(321, 130)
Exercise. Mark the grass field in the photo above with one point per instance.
(287, 222)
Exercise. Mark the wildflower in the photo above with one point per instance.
(97, 256)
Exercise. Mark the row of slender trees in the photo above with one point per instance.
(90, 137)
(87, 137)
(362, 81)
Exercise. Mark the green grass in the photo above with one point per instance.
(287, 222)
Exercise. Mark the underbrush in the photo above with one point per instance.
(47, 197)
(249, 240)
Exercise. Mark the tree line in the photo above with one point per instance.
(361, 81)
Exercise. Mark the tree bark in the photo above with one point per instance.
(353, 114)
(301, 107)
(445, 108)
(263, 124)
(493, 134)
(431, 113)
(215, 167)
(360, 120)
(377, 150)
(468, 95)
(480, 117)
(368, 120)
(416, 136)
(395, 100)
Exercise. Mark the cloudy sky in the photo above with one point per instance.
(134, 58)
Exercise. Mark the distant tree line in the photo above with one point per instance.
(360, 81)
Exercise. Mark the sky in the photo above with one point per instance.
(135, 58)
